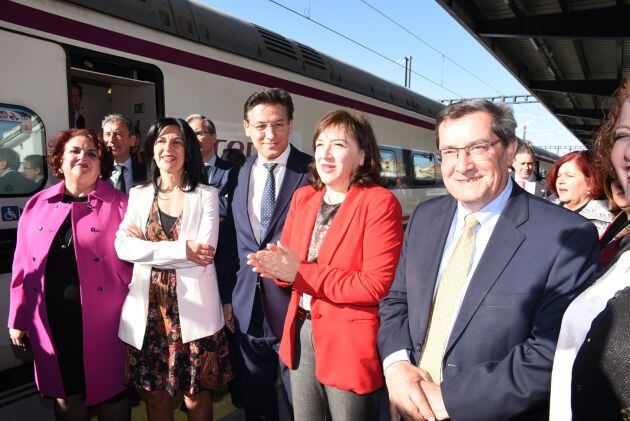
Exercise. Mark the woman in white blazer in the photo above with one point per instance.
(172, 317)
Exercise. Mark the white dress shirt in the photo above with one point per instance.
(529, 183)
(576, 323)
(257, 180)
(128, 175)
(487, 217)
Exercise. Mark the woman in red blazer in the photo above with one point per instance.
(338, 252)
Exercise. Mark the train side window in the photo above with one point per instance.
(423, 168)
(22, 151)
(388, 163)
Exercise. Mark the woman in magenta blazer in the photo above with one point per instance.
(68, 285)
(338, 252)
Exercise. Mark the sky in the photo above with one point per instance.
(448, 62)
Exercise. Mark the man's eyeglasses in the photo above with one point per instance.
(277, 126)
(476, 152)
(202, 132)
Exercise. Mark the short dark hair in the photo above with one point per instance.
(76, 85)
(360, 129)
(36, 161)
(503, 124)
(11, 157)
(594, 178)
(269, 96)
(193, 174)
(524, 148)
(58, 145)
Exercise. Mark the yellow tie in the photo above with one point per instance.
(446, 300)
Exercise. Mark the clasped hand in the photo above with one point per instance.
(276, 262)
(413, 394)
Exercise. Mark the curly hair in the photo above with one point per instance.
(606, 137)
(358, 128)
(58, 146)
(582, 159)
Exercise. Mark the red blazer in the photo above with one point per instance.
(356, 265)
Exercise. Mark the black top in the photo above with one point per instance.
(63, 305)
(600, 385)
(167, 221)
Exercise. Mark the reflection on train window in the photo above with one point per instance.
(22, 151)
(388, 163)
(423, 167)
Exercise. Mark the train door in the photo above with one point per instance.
(109, 84)
(33, 92)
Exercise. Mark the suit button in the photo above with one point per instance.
(100, 289)
(33, 259)
(96, 259)
(418, 347)
(579, 387)
(39, 228)
(89, 206)
(56, 205)
(93, 229)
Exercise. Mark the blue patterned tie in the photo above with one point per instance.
(268, 202)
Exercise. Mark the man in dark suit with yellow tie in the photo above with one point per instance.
(469, 327)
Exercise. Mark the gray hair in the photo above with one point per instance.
(208, 122)
(118, 117)
(503, 124)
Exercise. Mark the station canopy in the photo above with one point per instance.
(570, 54)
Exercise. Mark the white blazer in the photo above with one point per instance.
(200, 309)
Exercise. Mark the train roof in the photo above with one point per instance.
(201, 23)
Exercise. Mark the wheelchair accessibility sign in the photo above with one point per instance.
(10, 213)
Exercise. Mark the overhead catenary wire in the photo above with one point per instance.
(362, 45)
(444, 56)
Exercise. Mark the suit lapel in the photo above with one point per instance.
(428, 264)
(241, 197)
(340, 224)
(503, 244)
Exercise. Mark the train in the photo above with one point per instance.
(153, 58)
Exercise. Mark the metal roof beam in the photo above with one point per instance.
(590, 113)
(601, 87)
(602, 23)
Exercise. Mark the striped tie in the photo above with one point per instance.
(446, 300)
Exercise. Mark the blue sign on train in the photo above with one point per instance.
(10, 213)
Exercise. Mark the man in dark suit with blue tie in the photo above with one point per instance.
(469, 327)
(266, 183)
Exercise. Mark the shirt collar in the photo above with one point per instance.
(282, 159)
(212, 161)
(127, 163)
(494, 208)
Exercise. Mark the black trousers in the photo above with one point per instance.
(257, 370)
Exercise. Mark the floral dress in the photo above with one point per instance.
(165, 362)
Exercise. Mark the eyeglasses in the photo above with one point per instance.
(476, 152)
(202, 132)
(277, 126)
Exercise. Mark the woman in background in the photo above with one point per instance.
(68, 285)
(579, 187)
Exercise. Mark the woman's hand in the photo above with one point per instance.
(199, 253)
(276, 262)
(18, 337)
(134, 231)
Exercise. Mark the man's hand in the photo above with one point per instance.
(433, 392)
(199, 253)
(229, 318)
(405, 393)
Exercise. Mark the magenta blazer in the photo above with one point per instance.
(103, 278)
